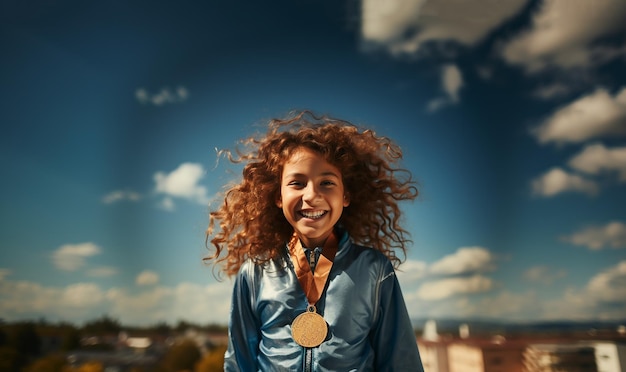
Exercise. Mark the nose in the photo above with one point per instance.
(310, 192)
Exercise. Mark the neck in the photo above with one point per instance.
(314, 243)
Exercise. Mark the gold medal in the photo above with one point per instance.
(309, 329)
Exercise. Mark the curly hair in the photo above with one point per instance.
(251, 226)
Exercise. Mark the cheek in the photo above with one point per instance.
(279, 198)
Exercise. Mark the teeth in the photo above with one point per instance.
(312, 215)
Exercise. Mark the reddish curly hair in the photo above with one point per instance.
(252, 226)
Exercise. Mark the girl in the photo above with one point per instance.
(311, 233)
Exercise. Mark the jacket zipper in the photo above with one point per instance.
(308, 359)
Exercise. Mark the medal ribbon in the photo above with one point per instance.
(313, 283)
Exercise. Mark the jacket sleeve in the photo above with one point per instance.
(243, 326)
(393, 337)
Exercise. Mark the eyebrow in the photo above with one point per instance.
(323, 174)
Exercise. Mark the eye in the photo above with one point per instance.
(295, 183)
(328, 183)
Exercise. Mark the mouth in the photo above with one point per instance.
(313, 215)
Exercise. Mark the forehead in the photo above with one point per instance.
(303, 156)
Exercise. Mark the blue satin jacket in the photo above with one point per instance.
(368, 325)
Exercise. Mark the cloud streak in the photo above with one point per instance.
(101, 272)
(557, 181)
(596, 159)
(406, 26)
(598, 114)
(147, 277)
(564, 34)
(164, 96)
(466, 260)
(451, 83)
(543, 274)
(120, 195)
(463, 268)
(182, 182)
(71, 257)
(444, 288)
(146, 305)
(611, 235)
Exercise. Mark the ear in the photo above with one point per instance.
(346, 199)
(279, 203)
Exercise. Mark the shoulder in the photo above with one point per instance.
(370, 252)
(245, 273)
(366, 257)
(246, 268)
(251, 270)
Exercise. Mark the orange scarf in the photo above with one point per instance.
(313, 283)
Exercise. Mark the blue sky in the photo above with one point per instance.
(511, 116)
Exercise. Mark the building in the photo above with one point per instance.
(610, 356)
(573, 357)
(495, 355)
(434, 355)
(538, 350)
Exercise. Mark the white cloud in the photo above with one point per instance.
(464, 261)
(543, 274)
(101, 272)
(71, 257)
(504, 304)
(610, 285)
(553, 90)
(596, 158)
(183, 182)
(598, 114)
(563, 34)
(440, 289)
(188, 301)
(556, 181)
(411, 270)
(436, 104)
(4, 273)
(451, 83)
(167, 204)
(147, 277)
(403, 26)
(611, 235)
(125, 303)
(82, 295)
(604, 298)
(80, 302)
(165, 95)
(28, 300)
(118, 195)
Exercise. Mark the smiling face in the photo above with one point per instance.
(312, 196)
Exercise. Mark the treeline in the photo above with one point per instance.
(27, 346)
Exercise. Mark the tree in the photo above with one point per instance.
(212, 361)
(25, 339)
(184, 325)
(3, 336)
(161, 328)
(50, 363)
(216, 328)
(70, 340)
(10, 359)
(182, 356)
(91, 367)
(103, 325)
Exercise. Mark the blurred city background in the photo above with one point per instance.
(511, 116)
